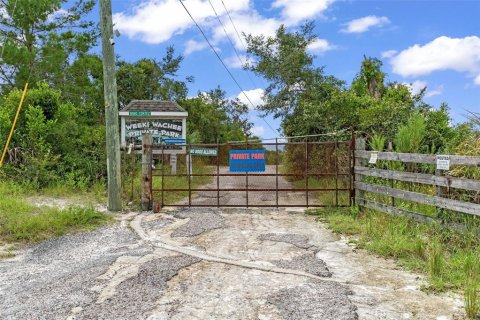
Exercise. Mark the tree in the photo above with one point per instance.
(212, 117)
(285, 63)
(42, 38)
(148, 79)
(370, 79)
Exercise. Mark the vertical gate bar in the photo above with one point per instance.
(351, 163)
(163, 175)
(218, 175)
(276, 172)
(246, 175)
(336, 170)
(188, 157)
(306, 170)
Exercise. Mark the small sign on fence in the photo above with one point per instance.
(443, 162)
(207, 152)
(247, 160)
(373, 157)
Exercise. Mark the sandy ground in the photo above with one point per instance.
(204, 263)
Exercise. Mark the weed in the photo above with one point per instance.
(435, 258)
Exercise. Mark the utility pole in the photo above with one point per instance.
(111, 108)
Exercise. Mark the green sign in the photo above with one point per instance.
(203, 152)
(139, 113)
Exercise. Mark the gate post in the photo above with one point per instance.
(147, 141)
(359, 194)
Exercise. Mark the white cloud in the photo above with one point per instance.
(237, 62)
(435, 92)
(157, 21)
(258, 131)
(364, 24)
(477, 80)
(294, 11)
(416, 86)
(255, 96)
(193, 46)
(320, 46)
(389, 53)
(443, 53)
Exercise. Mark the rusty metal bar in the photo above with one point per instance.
(256, 206)
(306, 171)
(159, 146)
(218, 175)
(276, 172)
(352, 166)
(189, 175)
(336, 172)
(258, 174)
(163, 177)
(253, 190)
(246, 176)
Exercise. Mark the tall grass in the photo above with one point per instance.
(21, 221)
(450, 259)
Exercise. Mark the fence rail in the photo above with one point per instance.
(441, 183)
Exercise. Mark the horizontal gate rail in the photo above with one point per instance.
(249, 189)
(251, 174)
(261, 206)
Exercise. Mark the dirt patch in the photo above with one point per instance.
(138, 294)
(317, 300)
(296, 239)
(200, 221)
(308, 263)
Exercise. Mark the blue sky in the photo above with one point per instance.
(424, 43)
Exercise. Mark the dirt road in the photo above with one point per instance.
(212, 264)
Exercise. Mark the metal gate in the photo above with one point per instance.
(299, 172)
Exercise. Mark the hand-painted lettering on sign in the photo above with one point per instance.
(247, 160)
(158, 128)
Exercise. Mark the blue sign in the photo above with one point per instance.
(173, 141)
(247, 160)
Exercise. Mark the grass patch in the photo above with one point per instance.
(21, 221)
(450, 259)
(132, 184)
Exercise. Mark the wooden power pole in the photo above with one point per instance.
(111, 107)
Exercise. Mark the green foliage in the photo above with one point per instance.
(377, 142)
(148, 79)
(410, 137)
(41, 42)
(212, 117)
(21, 221)
(370, 80)
(63, 146)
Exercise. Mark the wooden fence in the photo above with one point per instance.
(363, 170)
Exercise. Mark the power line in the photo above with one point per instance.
(234, 27)
(221, 61)
(231, 42)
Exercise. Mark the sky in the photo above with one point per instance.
(432, 44)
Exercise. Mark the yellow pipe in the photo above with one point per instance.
(14, 123)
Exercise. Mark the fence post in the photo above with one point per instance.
(147, 141)
(359, 194)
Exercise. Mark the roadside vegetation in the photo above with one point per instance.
(22, 221)
(449, 259)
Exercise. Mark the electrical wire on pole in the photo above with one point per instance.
(231, 43)
(222, 62)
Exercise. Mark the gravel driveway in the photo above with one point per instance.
(204, 263)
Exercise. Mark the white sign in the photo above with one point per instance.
(173, 163)
(373, 157)
(443, 162)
